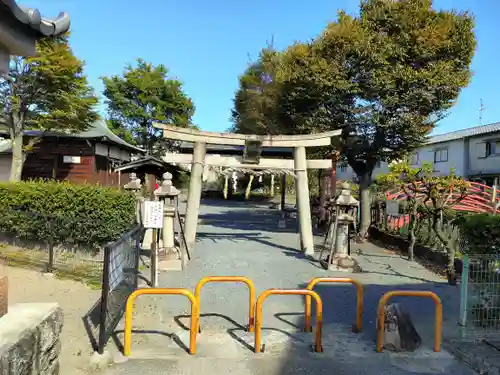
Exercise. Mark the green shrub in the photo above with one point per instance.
(481, 233)
(84, 215)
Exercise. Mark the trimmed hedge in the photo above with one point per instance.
(82, 215)
(481, 233)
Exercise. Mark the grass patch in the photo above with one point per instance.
(66, 267)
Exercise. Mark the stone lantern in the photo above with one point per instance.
(346, 207)
(134, 185)
(168, 194)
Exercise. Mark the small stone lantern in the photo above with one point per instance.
(134, 185)
(168, 193)
(346, 209)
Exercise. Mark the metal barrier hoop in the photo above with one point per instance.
(438, 319)
(318, 347)
(359, 304)
(155, 291)
(225, 279)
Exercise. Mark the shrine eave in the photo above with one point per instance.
(31, 21)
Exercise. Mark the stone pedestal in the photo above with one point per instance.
(30, 336)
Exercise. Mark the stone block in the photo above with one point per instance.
(29, 339)
(400, 334)
(4, 294)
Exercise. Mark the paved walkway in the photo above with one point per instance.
(242, 240)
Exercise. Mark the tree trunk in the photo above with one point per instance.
(450, 267)
(18, 158)
(333, 174)
(365, 205)
(323, 186)
(411, 228)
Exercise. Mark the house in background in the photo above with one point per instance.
(473, 153)
(21, 28)
(86, 157)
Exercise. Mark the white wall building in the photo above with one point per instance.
(474, 153)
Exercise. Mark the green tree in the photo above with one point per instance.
(48, 92)
(428, 197)
(142, 95)
(121, 131)
(254, 110)
(386, 77)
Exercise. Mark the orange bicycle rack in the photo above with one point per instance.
(318, 347)
(228, 279)
(359, 307)
(127, 341)
(438, 320)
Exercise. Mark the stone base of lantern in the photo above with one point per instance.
(168, 260)
(345, 264)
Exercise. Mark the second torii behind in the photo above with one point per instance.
(251, 159)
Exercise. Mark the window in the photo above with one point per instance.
(491, 148)
(414, 158)
(440, 155)
(343, 167)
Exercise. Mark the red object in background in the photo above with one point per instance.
(157, 186)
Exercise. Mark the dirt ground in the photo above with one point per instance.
(75, 298)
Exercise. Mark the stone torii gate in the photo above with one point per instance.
(251, 160)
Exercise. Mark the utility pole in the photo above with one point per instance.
(481, 109)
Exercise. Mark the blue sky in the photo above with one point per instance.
(207, 44)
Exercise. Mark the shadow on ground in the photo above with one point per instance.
(247, 236)
(237, 201)
(345, 352)
(257, 219)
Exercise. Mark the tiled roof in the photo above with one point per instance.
(464, 133)
(98, 131)
(33, 19)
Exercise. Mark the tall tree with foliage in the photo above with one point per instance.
(121, 131)
(255, 101)
(142, 95)
(386, 77)
(48, 92)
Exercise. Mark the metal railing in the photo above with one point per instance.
(480, 295)
(119, 280)
(358, 326)
(229, 279)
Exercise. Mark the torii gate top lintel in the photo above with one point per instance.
(233, 139)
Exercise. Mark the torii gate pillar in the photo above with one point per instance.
(303, 202)
(194, 193)
(300, 164)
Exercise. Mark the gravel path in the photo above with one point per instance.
(242, 240)
(75, 298)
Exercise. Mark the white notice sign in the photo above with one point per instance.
(152, 216)
(392, 208)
